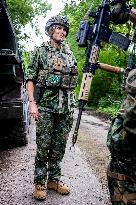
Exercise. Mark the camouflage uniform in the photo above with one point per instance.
(121, 142)
(54, 72)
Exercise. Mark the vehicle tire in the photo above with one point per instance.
(18, 133)
(13, 132)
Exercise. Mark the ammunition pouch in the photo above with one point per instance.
(61, 80)
(64, 79)
(73, 82)
(69, 82)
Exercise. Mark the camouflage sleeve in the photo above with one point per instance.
(128, 110)
(71, 53)
(32, 71)
(73, 63)
(74, 59)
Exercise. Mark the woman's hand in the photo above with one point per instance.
(34, 110)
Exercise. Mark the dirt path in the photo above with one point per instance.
(92, 142)
(83, 169)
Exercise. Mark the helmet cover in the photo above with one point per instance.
(57, 20)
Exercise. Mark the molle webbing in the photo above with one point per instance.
(119, 194)
(59, 68)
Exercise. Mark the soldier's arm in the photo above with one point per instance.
(130, 105)
(30, 90)
(122, 12)
(32, 74)
(132, 16)
(32, 104)
(31, 78)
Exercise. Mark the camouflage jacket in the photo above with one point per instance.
(54, 72)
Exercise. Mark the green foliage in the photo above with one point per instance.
(106, 91)
(26, 59)
(23, 12)
(108, 83)
(112, 110)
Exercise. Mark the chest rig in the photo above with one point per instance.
(57, 68)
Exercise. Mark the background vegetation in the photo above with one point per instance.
(25, 12)
(22, 13)
(106, 93)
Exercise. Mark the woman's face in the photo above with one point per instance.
(59, 33)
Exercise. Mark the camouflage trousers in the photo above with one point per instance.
(51, 137)
(122, 168)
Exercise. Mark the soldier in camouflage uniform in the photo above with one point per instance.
(53, 71)
(121, 141)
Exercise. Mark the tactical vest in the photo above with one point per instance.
(57, 68)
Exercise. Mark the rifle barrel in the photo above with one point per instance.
(81, 106)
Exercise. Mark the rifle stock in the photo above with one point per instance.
(110, 68)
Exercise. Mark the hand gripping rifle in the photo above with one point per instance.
(91, 36)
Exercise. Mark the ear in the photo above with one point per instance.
(51, 31)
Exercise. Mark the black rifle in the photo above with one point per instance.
(91, 36)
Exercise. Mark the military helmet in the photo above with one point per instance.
(131, 82)
(57, 20)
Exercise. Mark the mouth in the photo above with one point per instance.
(61, 36)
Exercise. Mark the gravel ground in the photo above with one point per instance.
(83, 169)
(92, 142)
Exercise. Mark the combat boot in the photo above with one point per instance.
(59, 187)
(40, 192)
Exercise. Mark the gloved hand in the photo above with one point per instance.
(114, 2)
(120, 12)
(133, 16)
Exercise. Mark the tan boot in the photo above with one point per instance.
(59, 187)
(40, 192)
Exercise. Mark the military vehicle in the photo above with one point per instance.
(14, 112)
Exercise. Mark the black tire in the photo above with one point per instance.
(14, 132)
(18, 133)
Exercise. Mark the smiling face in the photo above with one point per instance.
(59, 33)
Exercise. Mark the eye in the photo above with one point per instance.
(59, 27)
(64, 29)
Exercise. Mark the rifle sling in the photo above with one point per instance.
(125, 198)
(121, 177)
(119, 194)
